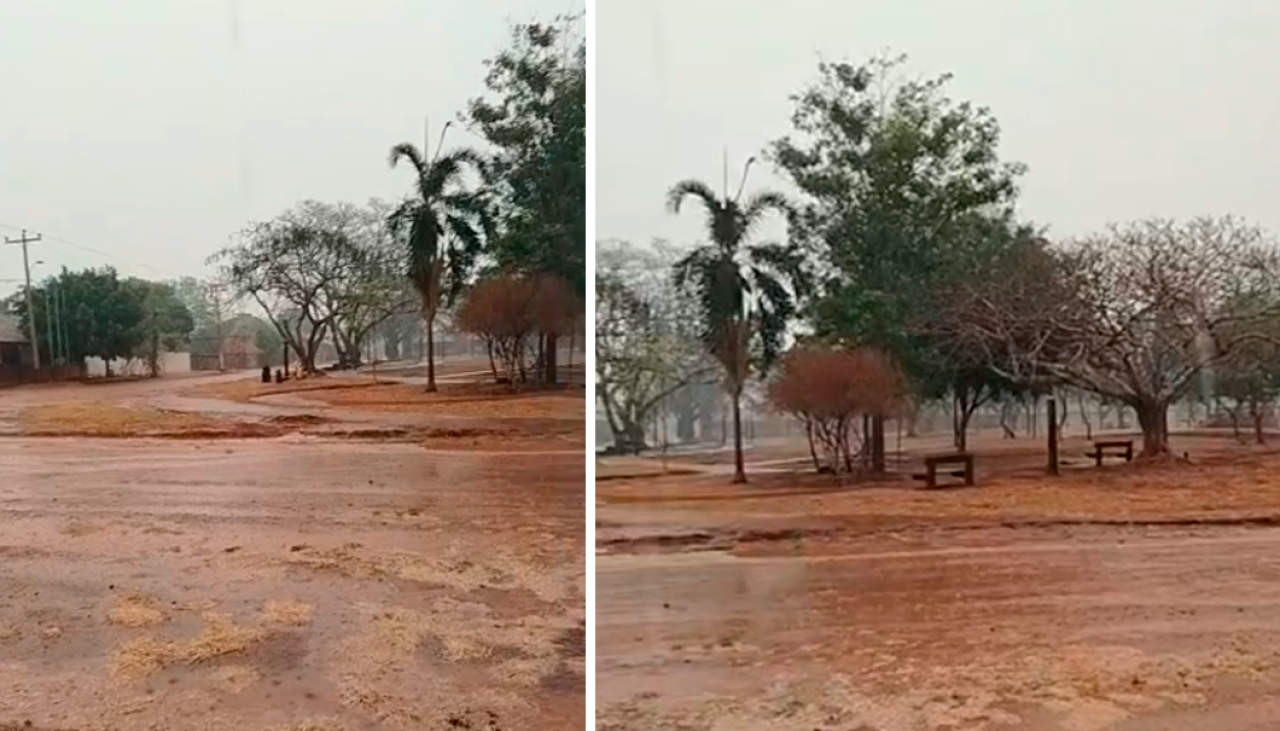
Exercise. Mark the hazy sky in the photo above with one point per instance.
(1121, 110)
(152, 129)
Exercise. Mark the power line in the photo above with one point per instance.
(66, 242)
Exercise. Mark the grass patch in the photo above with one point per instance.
(572, 436)
(466, 399)
(248, 389)
(1244, 487)
(96, 419)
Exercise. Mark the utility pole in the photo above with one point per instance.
(215, 299)
(31, 310)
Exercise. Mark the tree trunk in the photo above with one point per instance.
(961, 412)
(877, 444)
(1259, 416)
(865, 453)
(1009, 433)
(1084, 416)
(493, 365)
(1052, 422)
(813, 452)
(1153, 417)
(549, 358)
(431, 352)
(154, 365)
(631, 439)
(739, 465)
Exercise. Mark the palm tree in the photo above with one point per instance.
(746, 292)
(442, 226)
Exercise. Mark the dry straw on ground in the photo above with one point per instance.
(286, 612)
(501, 570)
(136, 610)
(220, 637)
(104, 419)
(378, 661)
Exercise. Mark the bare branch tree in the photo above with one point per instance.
(1133, 315)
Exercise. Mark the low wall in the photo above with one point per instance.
(170, 363)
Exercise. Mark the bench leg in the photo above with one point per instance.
(1097, 458)
(932, 482)
(968, 473)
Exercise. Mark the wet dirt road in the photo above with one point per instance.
(1051, 629)
(169, 584)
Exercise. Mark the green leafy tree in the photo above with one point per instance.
(535, 122)
(442, 229)
(904, 191)
(746, 292)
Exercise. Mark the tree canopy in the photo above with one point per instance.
(534, 120)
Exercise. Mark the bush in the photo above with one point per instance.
(832, 393)
(510, 312)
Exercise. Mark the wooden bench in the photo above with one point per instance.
(932, 463)
(1111, 448)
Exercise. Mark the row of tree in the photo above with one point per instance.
(513, 212)
(904, 242)
(95, 312)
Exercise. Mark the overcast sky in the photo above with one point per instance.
(152, 129)
(1121, 110)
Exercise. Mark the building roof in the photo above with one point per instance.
(11, 330)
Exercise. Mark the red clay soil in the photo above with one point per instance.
(189, 585)
(1131, 598)
(318, 583)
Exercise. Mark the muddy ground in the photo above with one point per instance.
(302, 580)
(1132, 598)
